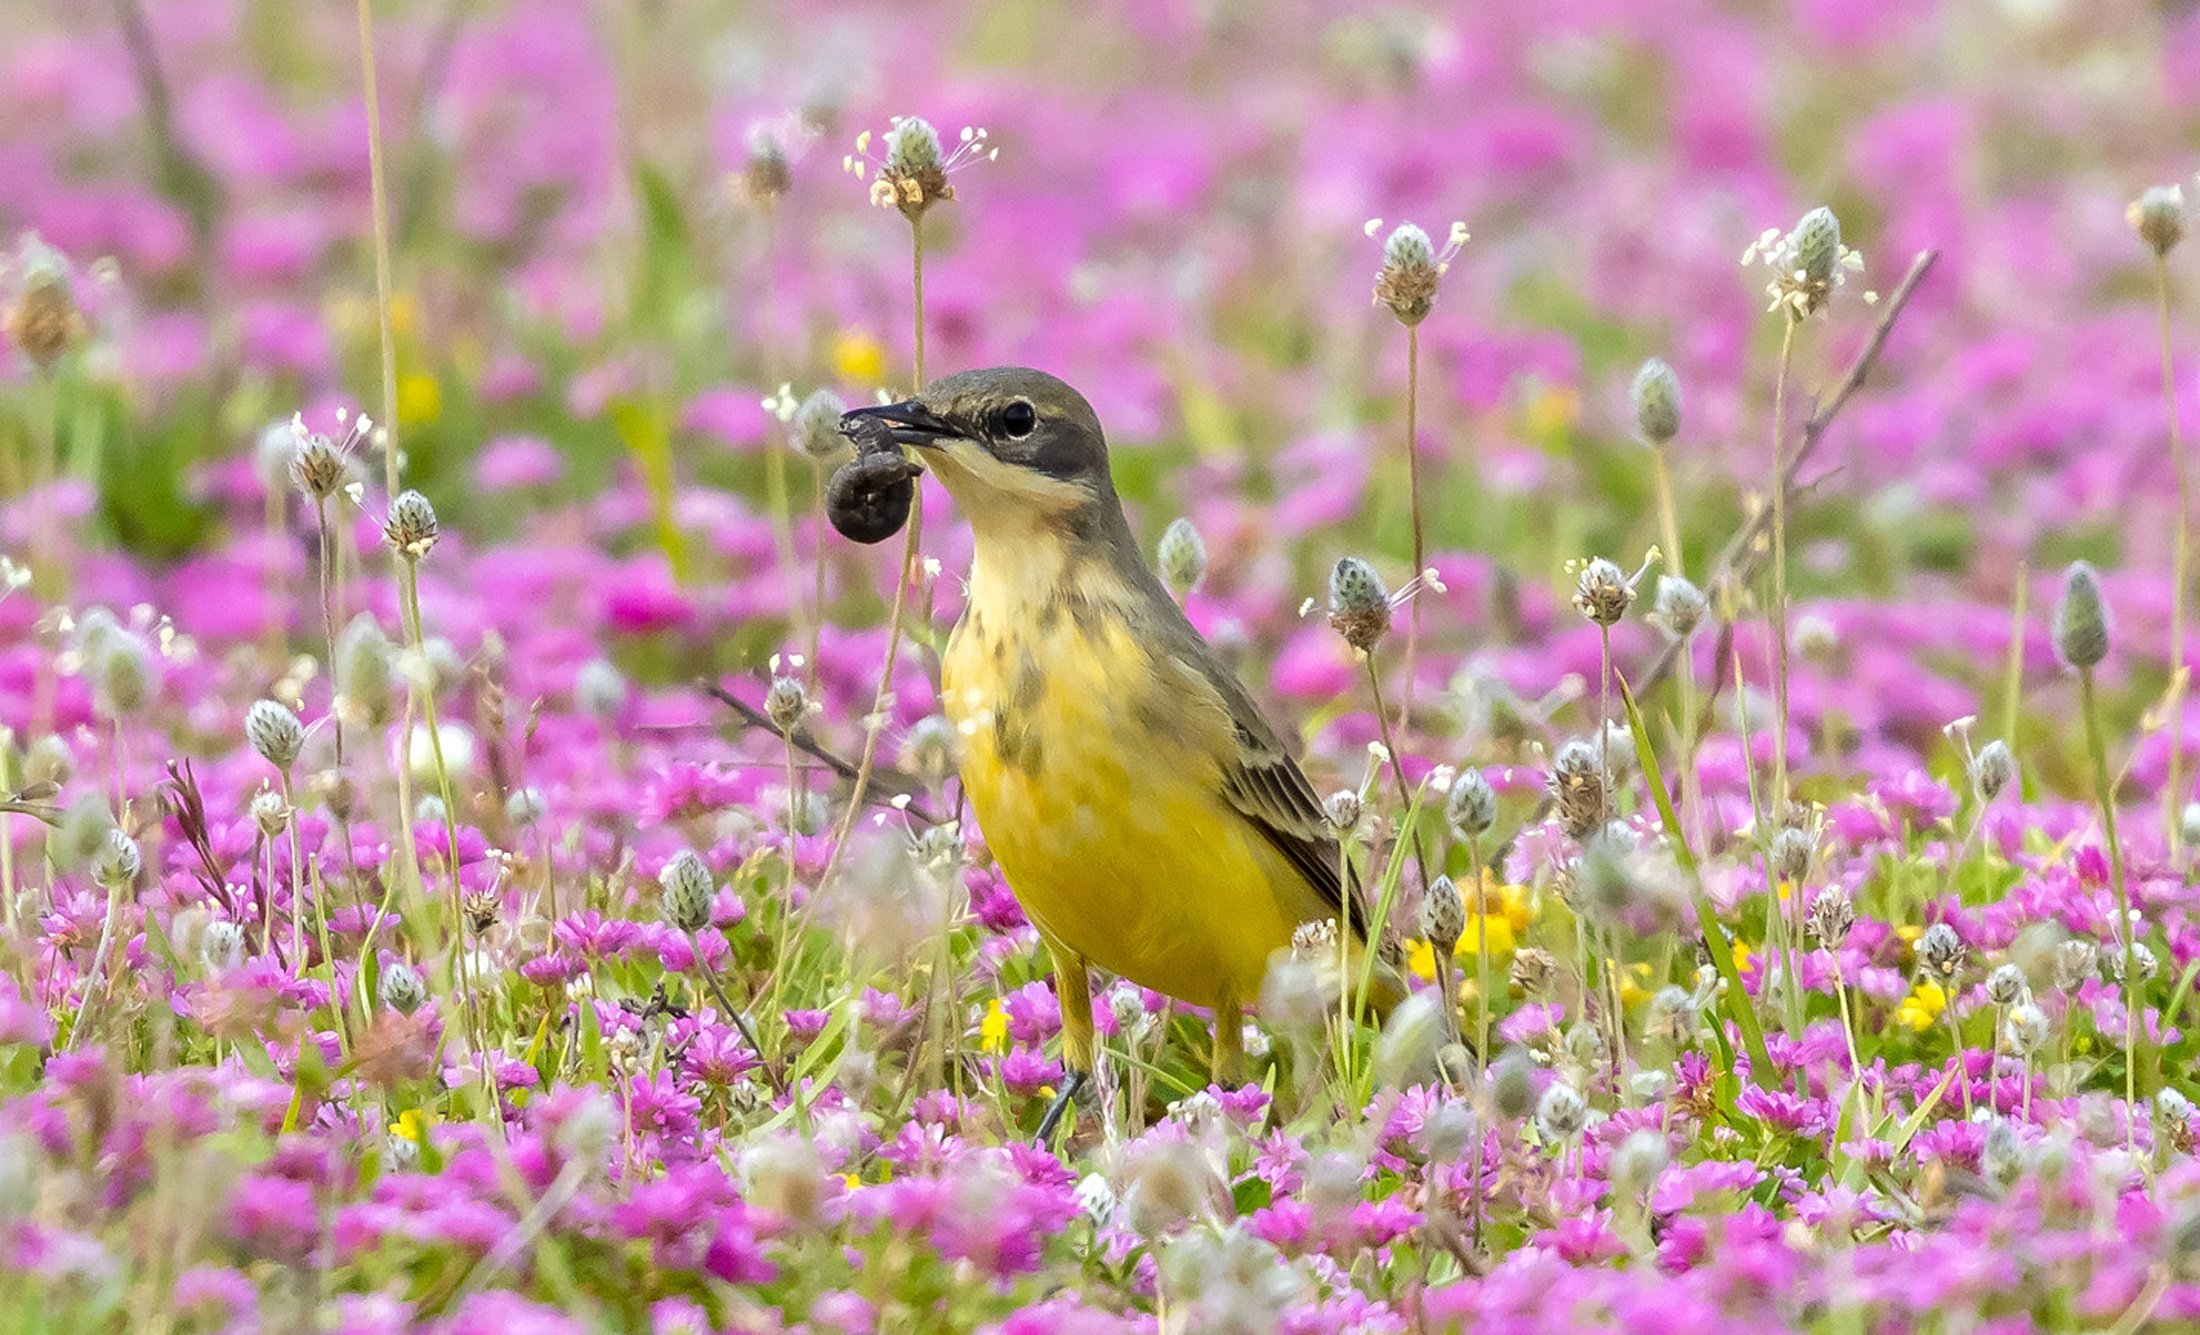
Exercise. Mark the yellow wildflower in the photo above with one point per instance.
(419, 399)
(993, 1030)
(1923, 1006)
(858, 358)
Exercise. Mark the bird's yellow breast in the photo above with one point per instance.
(1095, 775)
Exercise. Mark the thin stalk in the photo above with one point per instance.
(1949, 993)
(2173, 794)
(1779, 572)
(1410, 827)
(1669, 538)
(2012, 684)
(297, 876)
(881, 700)
(379, 197)
(1413, 489)
(408, 575)
(2126, 930)
(96, 981)
(1481, 950)
(817, 591)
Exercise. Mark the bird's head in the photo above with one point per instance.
(1012, 445)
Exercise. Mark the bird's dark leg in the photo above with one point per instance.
(1074, 991)
(1073, 1081)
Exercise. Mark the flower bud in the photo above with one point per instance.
(402, 989)
(1182, 555)
(269, 813)
(2158, 216)
(2025, 1027)
(786, 702)
(1993, 769)
(274, 732)
(688, 891)
(1941, 951)
(1818, 244)
(1471, 808)
(1792, 851)
(1577, 786)
(318, 466)
(1602, 592)
(766, 175)
(1679, 608)
(1410, 274)
(222, 945)
(363, 671)
(412, 529)
(1657, 398)
(524, 806)
(1671, 1017)
(2077, 961)
(817, 425)
(1832, 914)
(1512, 1085)
(2081, 622)
(2005, 986)
(1359, 605)
(1561, 1114)
(1533, 969)
(1343, 810)
(784, 1175)
(1443, 915)
(929, 750)
(45, 320)
(121, 672)
(116, 862)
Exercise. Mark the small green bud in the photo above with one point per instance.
(1471, 807)
(274, 732)
(1818, 244)
(817, 425)
(1443, 914)
(402, 989)
(1657, 396)
(2081, 622)
(688, 891)
(2158, 216)
(412, 529)
(1182, 555)
(1359, 605)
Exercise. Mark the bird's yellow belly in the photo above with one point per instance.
(1108, 820)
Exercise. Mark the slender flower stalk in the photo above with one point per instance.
(2081, 634)
(2158, 217)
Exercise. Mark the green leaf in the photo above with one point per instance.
(1736, 999)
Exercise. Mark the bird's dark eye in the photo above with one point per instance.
(1018, 420)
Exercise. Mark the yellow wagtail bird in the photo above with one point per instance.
(1146, 816)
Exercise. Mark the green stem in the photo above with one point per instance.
(2126, 930)
(2181, 573)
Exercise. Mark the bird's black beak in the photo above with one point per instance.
(908, 422)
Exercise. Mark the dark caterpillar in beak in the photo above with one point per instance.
(869, 497)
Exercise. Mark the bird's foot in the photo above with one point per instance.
(1072, 1082)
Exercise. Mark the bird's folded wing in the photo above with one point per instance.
(1265, 785)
